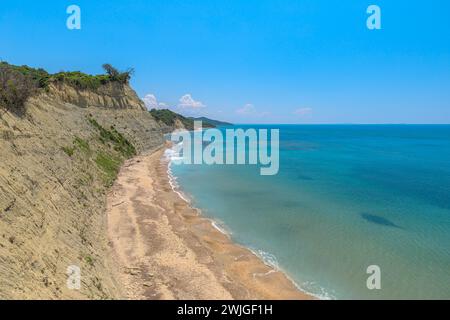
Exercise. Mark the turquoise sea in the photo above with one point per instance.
(346, 197)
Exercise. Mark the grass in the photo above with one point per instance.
(120, 143)
(79, 143)
(82, 144)
(108, 156)
(109, 165)
(68, 150)
(89, 260)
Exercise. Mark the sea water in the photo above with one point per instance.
(346, 197)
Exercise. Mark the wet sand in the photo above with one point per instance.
(165, 249)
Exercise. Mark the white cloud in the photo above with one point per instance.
(301, 112)
(152, 103)
(187, 102)
(248, 109)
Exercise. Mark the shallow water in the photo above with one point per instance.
(345, 198)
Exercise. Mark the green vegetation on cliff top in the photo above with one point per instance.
(18, 83)
(169, 118)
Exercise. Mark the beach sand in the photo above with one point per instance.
(165, 249)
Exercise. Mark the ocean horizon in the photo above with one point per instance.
(345, 197)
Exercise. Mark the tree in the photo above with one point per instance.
(116, 75)
(111, 71)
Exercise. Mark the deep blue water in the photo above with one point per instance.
(346, 197)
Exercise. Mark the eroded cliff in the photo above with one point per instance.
(57, 163)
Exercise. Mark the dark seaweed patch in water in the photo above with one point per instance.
(379, 220)
(289, 204)
(298, 145)
(305, 177)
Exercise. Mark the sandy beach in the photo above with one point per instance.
(165, 249)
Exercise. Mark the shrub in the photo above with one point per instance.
(15, 88)
(40, 77)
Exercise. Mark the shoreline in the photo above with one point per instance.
(218, 225)
(166, 249)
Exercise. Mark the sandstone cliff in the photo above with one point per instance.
(57, 163)
(112, 95)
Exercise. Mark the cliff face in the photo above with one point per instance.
(57, 163)
(112, 95)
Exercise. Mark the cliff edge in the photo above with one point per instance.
(58, 160)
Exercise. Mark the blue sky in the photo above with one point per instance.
(252, 61)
